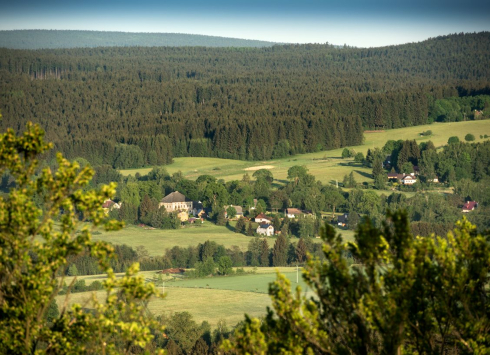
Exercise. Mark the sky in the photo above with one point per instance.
(360, 23)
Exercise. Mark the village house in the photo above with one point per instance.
(265, 229)
(109, 205)
(408, 179)
(342, 220)
(469, 206)
(262, 218)
(176, 201)
(293, 212)
(405, 179)
(198, 209)
(183, 216)
(238, 209)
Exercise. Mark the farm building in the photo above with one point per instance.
(176, 201)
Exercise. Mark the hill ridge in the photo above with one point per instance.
(53, 39)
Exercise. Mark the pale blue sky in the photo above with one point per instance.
(360, 23)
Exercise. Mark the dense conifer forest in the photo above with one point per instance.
(135, 106)
(39, 39)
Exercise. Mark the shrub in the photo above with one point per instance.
(453, 140)
(469, 137)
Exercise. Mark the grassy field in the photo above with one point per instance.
(157, 241)
(327, 166)
(248, 283)
(212, 299)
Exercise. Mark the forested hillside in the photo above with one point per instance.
(129, 107)
(39, 39)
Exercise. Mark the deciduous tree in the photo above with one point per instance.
(408, 295)
(33, 252)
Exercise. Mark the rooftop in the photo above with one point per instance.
(175, 196)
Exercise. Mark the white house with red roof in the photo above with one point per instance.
(262, 218)
(469, 206)
(293, 212)
(109, 205)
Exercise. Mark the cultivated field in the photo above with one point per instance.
(211, 299)
(327, 166)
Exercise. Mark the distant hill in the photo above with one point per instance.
(50, 39)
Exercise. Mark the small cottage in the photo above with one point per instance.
(265, 229)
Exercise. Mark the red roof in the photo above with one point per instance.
(470, 205)
(293, 211)
(108, 204)
(261, 215)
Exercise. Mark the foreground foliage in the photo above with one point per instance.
(404, 294)
(33, 251)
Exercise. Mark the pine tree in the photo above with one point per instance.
(276, 223)
(379, 174)
(240, 225)
(280, 251)
(220, 218)
(146, 209)
(250, 230)
(301, 251)
(73, 270)
(264, 253)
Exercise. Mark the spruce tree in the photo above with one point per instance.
(250, 230)
(280, 251)
(276, 223)
(264, 253)
(240, 225)
(301, 251)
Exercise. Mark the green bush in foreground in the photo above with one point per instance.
(402, 295)
(32, 252)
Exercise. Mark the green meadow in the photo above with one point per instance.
(326, 166)
(156, 241)
(210, 299)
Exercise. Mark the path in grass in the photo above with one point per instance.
(326, 166)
